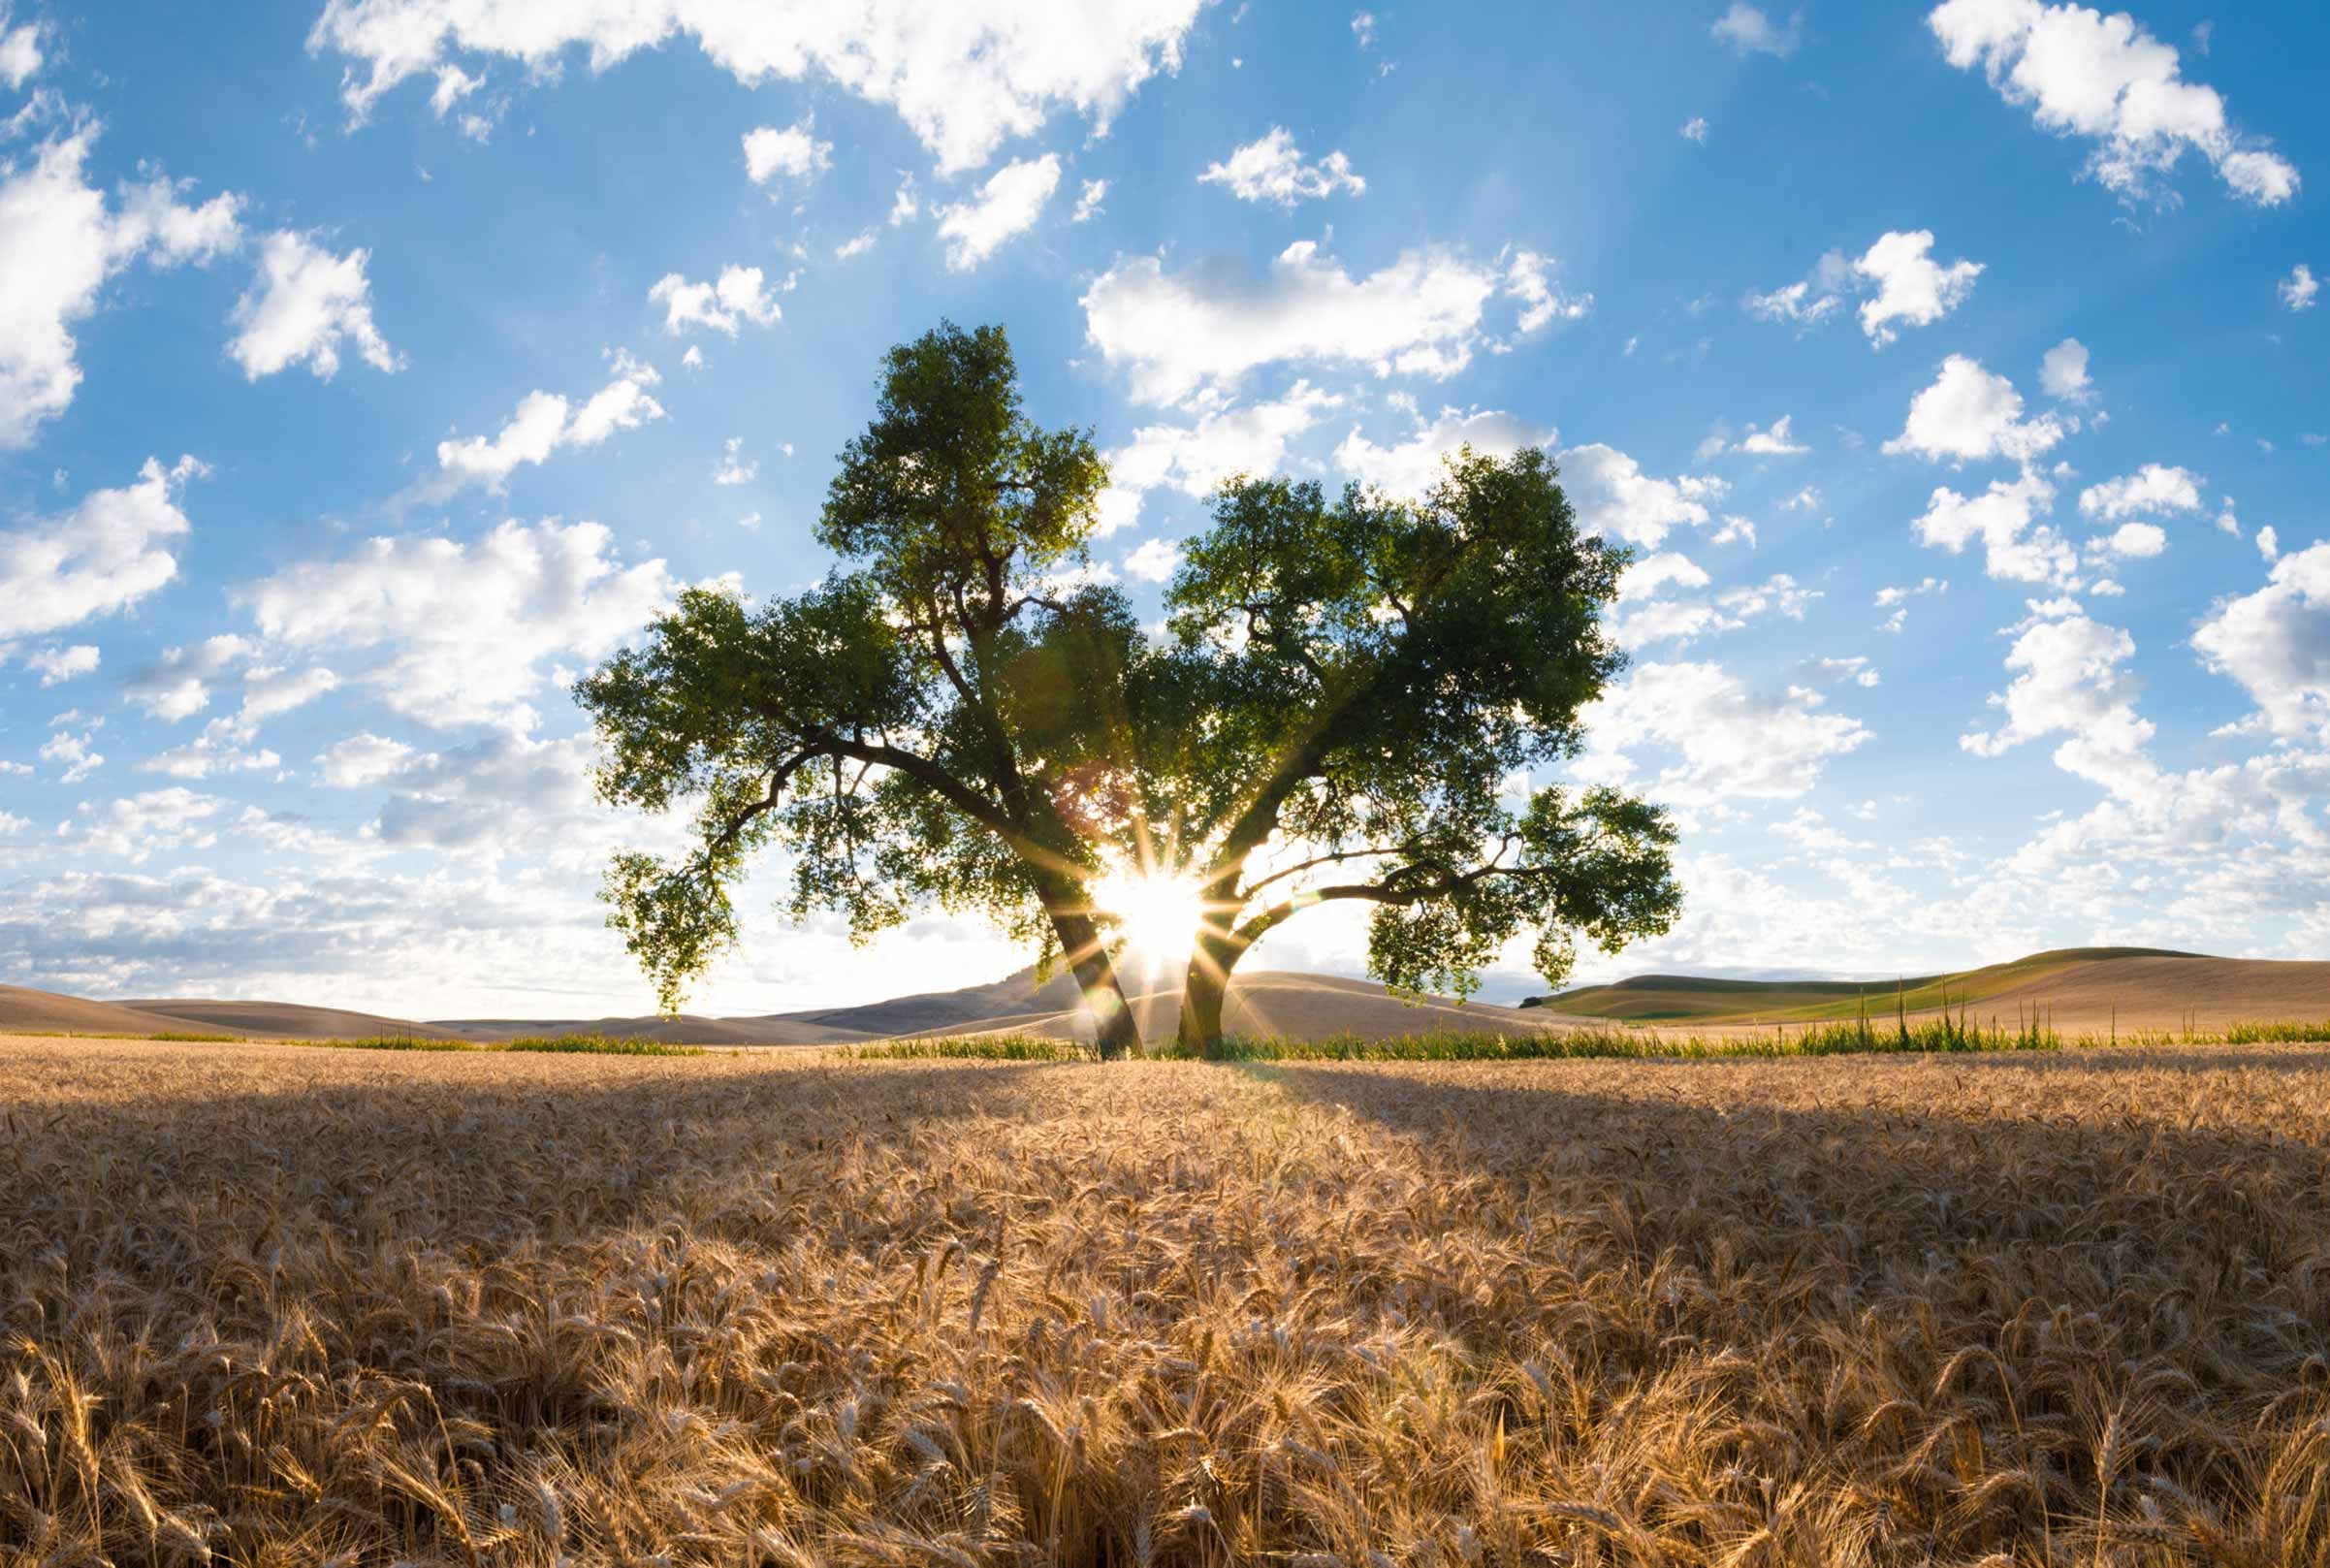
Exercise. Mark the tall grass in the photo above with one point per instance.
(554, 1044)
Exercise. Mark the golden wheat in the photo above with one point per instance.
(279, 1306)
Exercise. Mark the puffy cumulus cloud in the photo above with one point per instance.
(1004, 207)
(965, 74)
(57, 665)
(1748, 30)
(73, 751)
(545, 423)
(60, 242)
(2068, 678)
(740, 295)
(1897, 280)
(2276, 642)
(21, 56)
(735, 469)
(2298, 289)
(1204, 328)
(224, 746)
(2015, 546)
(1913, 287)
(1614, 499)
(447, 633)
(1271, 169)
(303, 304)
(2132, 541)
(792, 153)
(1969, 413)
(178, 684)
(1194, 458)
(1411, 467)
(1529, 278)
(2063, 371)
(108, 553)
(361, 759)
(1153, 560)
(2105, 78)
(1646, 618)
(139, 827)
(2149, 491)
(1775, 442)
(1729, 741)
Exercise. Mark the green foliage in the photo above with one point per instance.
(933, 725)
(2276, 1033)
(1352, 686)
(971, 1047)
(556, 1044)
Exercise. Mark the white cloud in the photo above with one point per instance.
(1362, 29)
(55, 665)
(741, 294)
(1614, 499)
(1088, 202)
(2003, 518)
(1911, 286)
(1897, 275)
(544, 423)
(965, 74)
(1969, 413)
(145, 826)
(2275, 641)
(1153, 560)
(2063, 371)
(2298, 289)
(1527, 280)
(792, 153)
(2269, 544)
(1206, 327)
(107, 554)
(360, 760)
(1749, 31)
(1774, 442)
(1695, 129)
(2081, 72)
(1194, 458)
(1270, 169)
(177, 685)
(1654, 619)
(19, 52)
(2134, 542)
(735, 467)
(2068, 678)
(1006, 206)
(1730, 742)
(451, 634)
(1412, 466)
(75, 754)
(2150, 491)
(302, 305)
(224, 746)
(60, 243)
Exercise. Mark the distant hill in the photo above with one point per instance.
(2079, 989)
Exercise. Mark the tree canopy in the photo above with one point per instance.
(931, 724)
(1346, 708)
(1354, 690)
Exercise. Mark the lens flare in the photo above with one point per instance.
(1158, 914)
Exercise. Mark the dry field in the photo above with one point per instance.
(279, 1306)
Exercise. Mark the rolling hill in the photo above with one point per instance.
(2079, 990)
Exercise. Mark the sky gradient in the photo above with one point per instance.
(368, 370)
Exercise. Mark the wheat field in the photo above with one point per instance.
(295, 1306)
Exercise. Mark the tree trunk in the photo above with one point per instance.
(1116, 1032)
(1207, 987)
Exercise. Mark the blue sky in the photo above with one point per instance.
(369, 369)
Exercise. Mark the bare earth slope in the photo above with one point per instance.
(46, 1012)
(2167, 993)
(281, 1020)
(1305, 1006)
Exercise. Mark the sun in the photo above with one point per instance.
(1157, 913)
